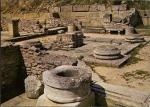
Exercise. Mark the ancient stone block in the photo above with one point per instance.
(33, 87)
(56, 9)
(81, 8)
(123, 7)
(66, 8)
(93, 8)
(14, 28)
(70, 39)
(107, 18)
(101, 7)
(115, 7)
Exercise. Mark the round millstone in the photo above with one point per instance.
(107, 50)
(66, 84)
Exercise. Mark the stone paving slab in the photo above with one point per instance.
(111, 63)
(120, 95)
(20, 100)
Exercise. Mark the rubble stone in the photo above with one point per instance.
(33, 87)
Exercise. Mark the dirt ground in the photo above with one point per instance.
(135, 75)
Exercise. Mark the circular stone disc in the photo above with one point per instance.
(135, 38)
(107, 57)
(107, 50)
(135, 41)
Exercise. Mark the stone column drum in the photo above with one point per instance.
(129, 30)
(67, 85)
(135, 39)
(107, 52)
(13, 28)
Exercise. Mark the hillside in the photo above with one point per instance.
(21, 6)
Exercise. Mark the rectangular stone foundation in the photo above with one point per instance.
(44, 101)
(111, 63)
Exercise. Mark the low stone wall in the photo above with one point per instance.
(12, 71)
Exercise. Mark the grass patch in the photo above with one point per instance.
(137, 74)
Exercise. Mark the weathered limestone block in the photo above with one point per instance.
(81, 8)
(66, 8)
(70, 39)
(93, 8)
(33, 87)
(107, 18)
(66, 84)
(101, 7)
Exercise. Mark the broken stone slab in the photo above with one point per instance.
(88, 102)
(33, 87)
(66, 84)
(115, 95)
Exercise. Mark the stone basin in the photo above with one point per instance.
(66, 84)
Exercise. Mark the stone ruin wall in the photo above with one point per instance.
(90, 15)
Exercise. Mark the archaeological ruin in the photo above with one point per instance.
(76, 56)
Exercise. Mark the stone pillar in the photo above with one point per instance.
(67, 86)
(13, 28)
